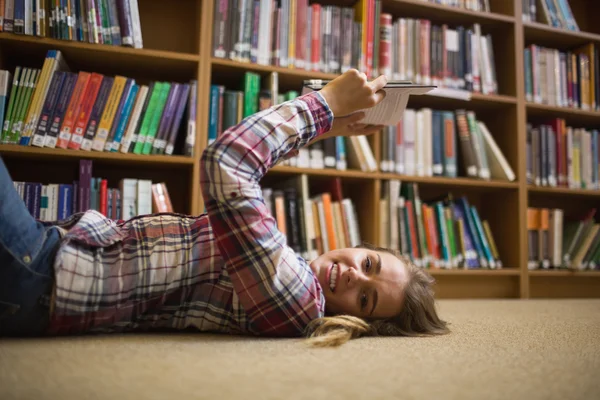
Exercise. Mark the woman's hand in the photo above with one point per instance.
(351, 92)
(349, 126)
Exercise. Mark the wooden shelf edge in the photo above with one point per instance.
(151, 53)
(475, 272)
(467, 182)
(431, 180)
(562, 110)
(270, 68)
(493, 98)
(567, 191)
(459, 11)
(325, 172)
(27, 151)
(547, 28)
(562, 273)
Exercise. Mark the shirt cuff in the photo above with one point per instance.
(321, 113)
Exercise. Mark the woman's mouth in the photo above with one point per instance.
(332, 276)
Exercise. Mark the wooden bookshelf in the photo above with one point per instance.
(182, 50)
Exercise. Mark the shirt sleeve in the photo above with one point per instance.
(277, 289)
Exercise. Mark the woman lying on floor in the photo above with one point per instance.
(228, 270)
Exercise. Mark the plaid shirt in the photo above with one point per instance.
(228, 270)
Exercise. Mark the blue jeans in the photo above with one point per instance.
(27, 250)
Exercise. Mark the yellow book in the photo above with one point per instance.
(56, 62)
(108, 115)
(576, 161)
(361, 15)
(39, 96)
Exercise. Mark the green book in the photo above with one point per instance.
(20, 103)
(148, 115)
(28, 96)
(450, 229)
(251, 85)
(158, 112)
(11, 104)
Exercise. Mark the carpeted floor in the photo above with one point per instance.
(503, 349)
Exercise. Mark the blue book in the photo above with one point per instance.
(65, 201)
(5, 85)
(124, 118)
(213, 118)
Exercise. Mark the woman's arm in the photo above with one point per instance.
(277, 289)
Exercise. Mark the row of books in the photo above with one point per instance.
(430, 142)
(113, 22)
(426, 53)
(442, 233)
(315, 219)
(563, 243)
(333, 39)
(229, 105)
(56, 108)
(563, 78)
(472, 5)
(562, 156)
(556, 13)
(58, 201)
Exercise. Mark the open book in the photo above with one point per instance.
(391, 109)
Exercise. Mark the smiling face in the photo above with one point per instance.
(361, 282)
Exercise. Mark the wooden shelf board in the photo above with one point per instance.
(563, 191)
(572, 115)
(330, 172)
(305, 74)
(47, 153)
(419, 8)
(559, 273)
(109, 49)
(459, 182)
(475, 272)
(546, 35)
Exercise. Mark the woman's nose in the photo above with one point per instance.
(354, 277)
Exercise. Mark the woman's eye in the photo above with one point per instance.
(368, 264)
(363, 301)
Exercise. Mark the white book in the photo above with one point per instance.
(128, 189)
(144, 197)
(498, 165)
(391, 109)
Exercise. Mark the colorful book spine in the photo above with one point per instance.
(125, 116)
(96, 114)
(188, 92)
(85, 111)
(118, 113)
(45, 120)
(108, 115)
(159, 112)
(73, 108)
(61, 107)
(148, 116)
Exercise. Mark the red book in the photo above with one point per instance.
(72, 112)
(301, 14)
(385, 45)
(104, 197)
(83, 116)
(315, 45)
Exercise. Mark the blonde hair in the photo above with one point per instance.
(417, 318)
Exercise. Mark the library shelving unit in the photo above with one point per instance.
(178, 46)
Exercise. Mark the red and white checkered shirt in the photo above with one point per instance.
(228, 270)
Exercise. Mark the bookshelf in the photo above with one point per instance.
(182, 50)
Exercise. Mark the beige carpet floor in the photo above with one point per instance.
(503, 349)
